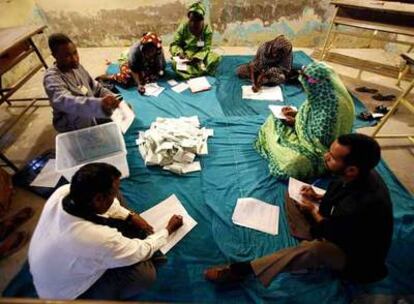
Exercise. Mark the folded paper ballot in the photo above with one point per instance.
(123, 116)
(265, 93)
(172, 82)
(153, 89)
(159, 215)
(255, 214)
(295, 187)
(199, 84)
(277, 111)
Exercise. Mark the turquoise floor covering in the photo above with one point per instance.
(233, 169)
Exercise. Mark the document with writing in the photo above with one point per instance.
(159, 215)
(153, 89)
(277, 111)
(265, 93)
(123, 116)
(181, 64)
(256, 214)
(295, 187)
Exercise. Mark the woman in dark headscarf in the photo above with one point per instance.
(271, 65)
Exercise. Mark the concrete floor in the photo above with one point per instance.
(34, 134)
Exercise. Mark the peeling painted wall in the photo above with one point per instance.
(236, 23)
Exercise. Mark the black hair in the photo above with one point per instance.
(56, 40)
(365, 152)
(90, 180)
(195, 16)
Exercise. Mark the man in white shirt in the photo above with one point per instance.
(85, 244)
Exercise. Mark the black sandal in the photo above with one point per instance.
(381, 97)
(366, 90)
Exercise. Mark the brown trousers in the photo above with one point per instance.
(308, 254)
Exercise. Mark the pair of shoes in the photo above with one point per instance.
(366, 90)
(222, 275)
(382, 97)
(12, 223)
(13, 243)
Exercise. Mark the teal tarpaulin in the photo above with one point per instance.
(233, 169)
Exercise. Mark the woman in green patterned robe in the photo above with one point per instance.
(192, 41)
(295, 147)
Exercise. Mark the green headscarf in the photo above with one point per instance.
(197, 7)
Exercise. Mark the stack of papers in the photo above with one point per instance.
(159, 215)
(258, 215)
(48, 177)
(295, 187)
(199, 84)
(265, 93)
(181, 63)
(277, 111)
(173, 143)
(153, 89)
(123, 116)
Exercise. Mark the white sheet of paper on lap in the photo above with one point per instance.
(48, 177)
(159, 215)
(256, 214)
(295, 187)
(277, 111)
(180, 87)
(199, 84)
(181, 64)
(153, 89)
(123, 116)
(265, 93)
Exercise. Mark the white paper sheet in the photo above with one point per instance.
(153, 89)
(172, 82)
(181, 64)
(180, 87)
(159, 215)
(199, 84)
(48, 177)
(265, 93)
(123, 116)
(256, 214)
(277, 111)
(295, 187)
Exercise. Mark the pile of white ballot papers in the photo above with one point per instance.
(295, 187)
(265, 93)
(255, 214)
(159, 215)
(173, 143)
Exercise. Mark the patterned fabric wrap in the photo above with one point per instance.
(327, 113)
(275, 69)
(151, 38)
(197, 7)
